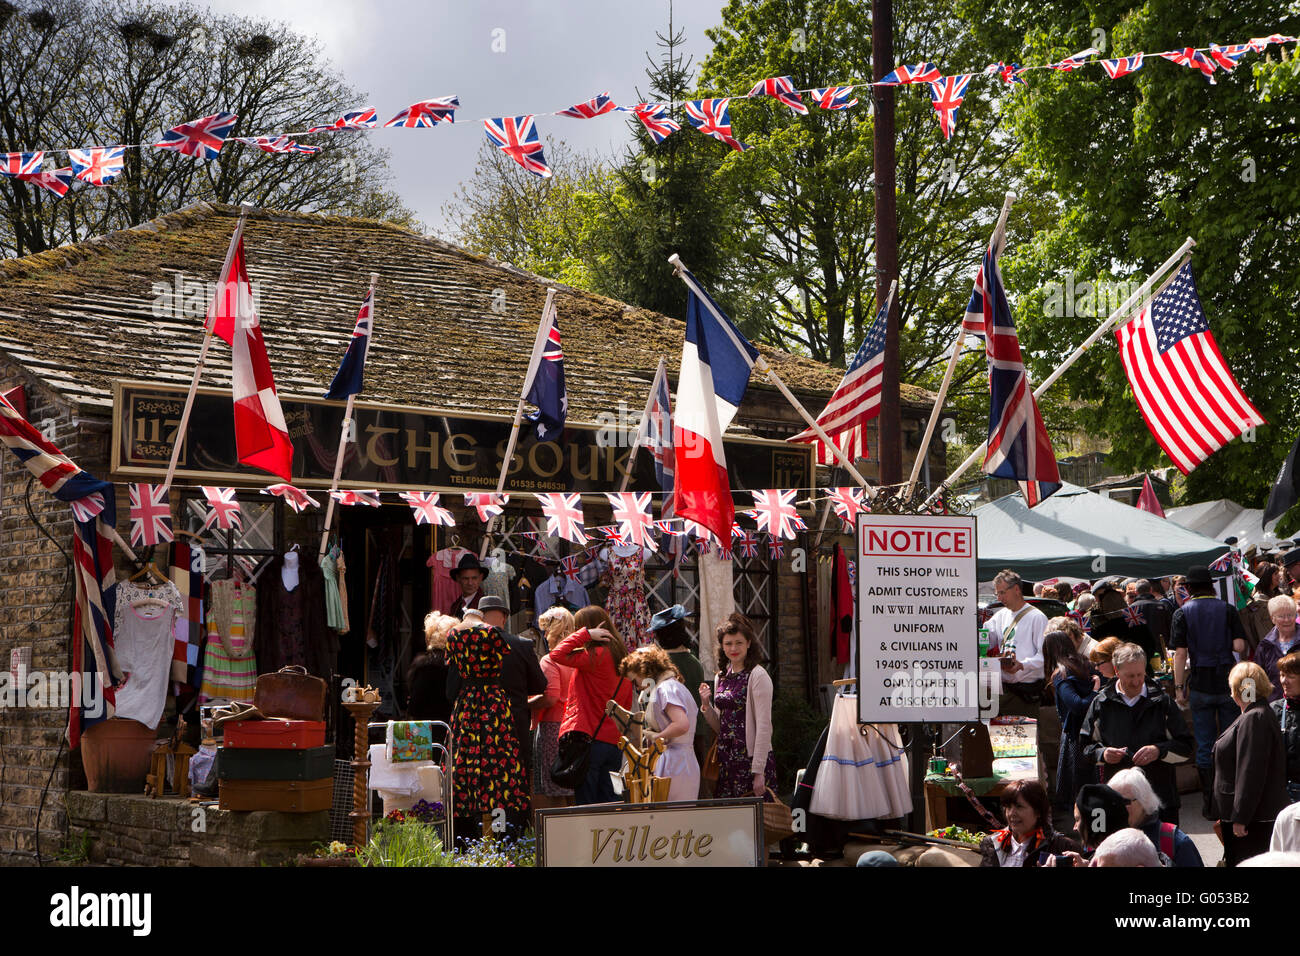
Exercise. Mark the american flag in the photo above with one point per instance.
(151, 514)
(1133, 617)
(834, 97)
(919, 73)
(946, 95)
(56, 181)
(295, 498)
(200, 138)
(654, 117)
(632, 512)
(570, 567)
(224, 511)
(1192, 58)
(1018, 446)
(1182, 385)
(564, 516)
(1122, 66)
(781, 88)
(21, 164)
(748, 546)
(354, 119)
(1008, 72)
(1075, 61)
(596, 106)
(1227, 56)
(516, 136)
(427, 508)
(98, 166)
(488, 505)
(775, 513)
(713, 118)
(349, 496)
(856, 400)
(427, 113)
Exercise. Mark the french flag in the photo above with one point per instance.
(716, 363)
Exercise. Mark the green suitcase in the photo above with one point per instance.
(242, 763)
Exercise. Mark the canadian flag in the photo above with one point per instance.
(261, 435)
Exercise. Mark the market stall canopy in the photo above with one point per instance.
(1225, 518)
(1071, 531)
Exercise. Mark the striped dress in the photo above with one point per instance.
(226, 676)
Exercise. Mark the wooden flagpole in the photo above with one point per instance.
(661, 372)
(998, 241)
(346, 428)
(1125, 308)
(539, 345)
(203, 350)
(761, 364)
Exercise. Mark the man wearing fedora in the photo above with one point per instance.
(469, 575)
(1204, 633)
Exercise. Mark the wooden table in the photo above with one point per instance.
(936, 797)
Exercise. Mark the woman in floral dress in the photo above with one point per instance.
(740, 711)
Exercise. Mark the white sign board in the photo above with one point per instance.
(918, 652)
(694, 834)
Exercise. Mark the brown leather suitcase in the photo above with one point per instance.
(290, 693)
(286, 796)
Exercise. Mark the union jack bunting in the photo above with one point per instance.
(946, 95)
(1076, 61)
(427, 508)
(224, 512)
(775, 548)
(354, 119)
(1193, 59)
(58, 473)
(596, 106)
(295, 498)
(570, 567)
(427, 113)
(151, 515)
(614, 535)
(564, 516)
(98, 166)
(1259, 44)
(56, 181)
(847, 503)
(348, 496)
(781, 88)
(277, 144)
(748, 546)
(1133, 617)
(632, 512)
(516, 136)
(669, 527)
(654, 117)
(200, 138)
(487, 505)
(713, 118)
(775, 513)
(1122, 66)
(920, 73)
(724, 551)
(21, 164)
(834, 97)
(737, 531)
(1008, 73)
(1224, 563)
(1081, 619)
(1227, 56)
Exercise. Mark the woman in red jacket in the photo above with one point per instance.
(594, 652)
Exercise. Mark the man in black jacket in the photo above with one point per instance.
(1133, 723)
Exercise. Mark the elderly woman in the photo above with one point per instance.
(670, 716)
(1255, 618)
(1278, 642)
(1249, 768)
(1028, 839)
(427, 676)
(1144, 815)
(1286, 710)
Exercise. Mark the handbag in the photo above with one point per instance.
(573, 753)
(778, 821)
(709, 768)
(290, 694)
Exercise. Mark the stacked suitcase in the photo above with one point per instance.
(275, 764)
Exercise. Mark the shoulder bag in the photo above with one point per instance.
(573, 753)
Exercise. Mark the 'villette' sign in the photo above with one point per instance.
(697, 833)
(400, 448)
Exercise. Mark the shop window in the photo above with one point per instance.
(247, 547)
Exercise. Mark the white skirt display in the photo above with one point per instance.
(860, 777)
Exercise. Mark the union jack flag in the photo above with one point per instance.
(224, 511)
(1133, 617)
(713, 118)
(847, 502)
(347, 496)
(277, 144)
(781, 88)
(355, 119)
(295, 498)
(1009, 73)
(632, 512)
(1181, 594)
(570, 567)
(200, 138)
(669, 527)
(56, 181)
(1194, 59)
(564, 516)
(1225, 563)
(920, 73)
(834, 97)
(21, 164)
(58, 473)
(748, 546)
(654, 117)
(775, 513)
(775, 548)
(946, 95)
(1075, 61)
(487, 505)
(1082, 620)
(98, 166)
(427, 509)
(516, 136)
(1260, 44)
(427, 113)
(596, 106)
(1122, 66)
(1227, 56)
(615, 535)
(151, 514)
(350, 378)
(724, 550)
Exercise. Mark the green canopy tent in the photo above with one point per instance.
(1077, 533)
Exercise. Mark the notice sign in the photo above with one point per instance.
(918, 644)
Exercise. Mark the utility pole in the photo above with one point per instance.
(882, 61)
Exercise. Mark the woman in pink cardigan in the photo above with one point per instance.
(741, 713)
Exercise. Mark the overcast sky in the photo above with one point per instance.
(556, 53)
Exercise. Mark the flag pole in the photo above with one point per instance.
(539, 345)
(761, 364)
(345, 428)
(645, 417)
(203, 352)
(1124, 309)
(998, 241)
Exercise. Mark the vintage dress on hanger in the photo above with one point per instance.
(229, 664)
(625, 599)
(143, 638)
(291, 626)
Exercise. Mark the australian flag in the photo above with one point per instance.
(347, 380)
(546, 380)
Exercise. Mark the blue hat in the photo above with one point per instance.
(669, 615)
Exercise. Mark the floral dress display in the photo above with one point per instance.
(625, 601)
(735, 776)
(488, 771)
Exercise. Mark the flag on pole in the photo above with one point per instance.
(544, 383)
(716, 364)
(224, 509)
(1147, 501)
(347, 380)
(1284, 494)
(1183, 387)
(261, 434)
(657, 429)
(151, 514)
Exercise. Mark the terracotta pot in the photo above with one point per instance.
(116, 754)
